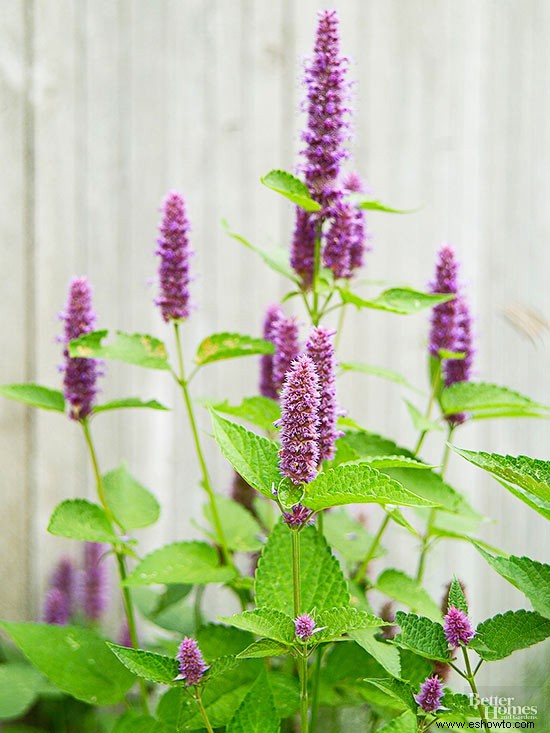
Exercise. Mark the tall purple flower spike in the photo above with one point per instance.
(320, 349)
(304, 626)
(300, 399)
(191, 662)
(361, 236)
(175, 252)
(94, 582)
(64, 578)
(268, 388)
(287, 348)
(79, 375)
(327, 110)
(430, 695)
(340, 239)
(457, 627)
(56, 607)
(302, 253)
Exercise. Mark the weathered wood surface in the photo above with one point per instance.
(106, 104)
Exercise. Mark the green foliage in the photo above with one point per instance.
(275, 259)
(385, 653)
(35, 395)
(388, 374)
(264, 648)
(260, 411)
(181, 562)
(75, 659)
(267, 622)
(397, 689)
(343, 620)
(323, 584)
(291, 188)
(404, 301)
(242, 532)
(20, 686)
(220, 346)
(128, 402)
(404, 589)
(373, 205)
(132, 722)
(168, 609)
(420, 421)
(153, 667)
(132, 505)
(484, 400)
(404, 723)
(505, 633)
(348, 536)
(138, 349)
(79, 519)
(457, 597)
(256, 713)
(422, 636)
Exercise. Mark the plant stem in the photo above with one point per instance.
(315, 696)
(203, 712)
(316, 268)
(296, 571)
(339, 327)
(200, 455)
(372, 549)
(472, 682)
(121, 561)
(435, 387)
(197, 612)
(304, 704)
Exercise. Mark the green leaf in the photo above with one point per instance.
(153, 667)
(404, 723)
(385, 654)
(530, 576)
(242, 532)
(256, 713)
(267, 622)
(457, 597)
(225, 345)
(348, 536)
(394, 462)
(404, 301)
(255, 458)
(260, 411)
(357, 484)
(532, 501)
(128, 402)
(404, 589)
(79, 519)
(181, 562)
(17, 689)
(505, 633)
(75, 659)
(420, 421)
(388, 374)
(264, 648)
(373, 205)
(291, 188)
(371, 444)
(133, 506)
(339, 621)
(167, 609)
(422, 636)
(35, 396)
(132, 722)
(137, 348)
(276, 259)
(217, 640)
(323, 583)
(397, 516)
(482, 400)
(397, 689)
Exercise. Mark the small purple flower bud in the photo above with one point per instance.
(268, 387)
(56, 607)
(79, 375)
(64, 578)
(175, 253)
(304, 626)
(457, 627)
(299, 453)
(94, 582)
(430, 695)
(287, 348)
(320, 349)
(302, 254)
(191, 662)
(298, 516)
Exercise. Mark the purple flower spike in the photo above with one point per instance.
(327, 111)
(287, 348)
(458, 629)
(175, 252)
(340, 240)
(94, 582)
(361, 236)
(191, 662)
(64, 578)
(320, 349)
(299, 453)
(124, 638)
(302, 254)
(57, 607)
(444, 332)
(298, 516)
(80, 375)
(304, 626)
(430, 695)
(267, 385)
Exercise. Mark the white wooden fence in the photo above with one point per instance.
(105, 104)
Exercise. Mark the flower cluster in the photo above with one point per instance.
(283, 332)
(304, 626)
(298, 516)
(457, 627)
(320, 349)
(430, 695)
(93, 588)
(191, 663)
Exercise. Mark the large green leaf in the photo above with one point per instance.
(388, 374)
(133, 722)
(357, 484)
(348, 536)
(404, 589)
(276, 259)
(404, 301)
(258, 410)
(385, 653)
(128, 402)
(264, 648)
(242, 532)
(291, 188)
(153, 667)
(137, 348)
(338, 621)
(397, 689)
(267, 622)
(420, 421)
(79, 519)
(422, 636)
(133, 506)
(366, 443)
(483, 400)
(181, 562)
(256, 713)
(404, 723)
(35, 395)
(75, 659)
(322, 582)
(168, 608)
(18, 689)
(505, 633)
(225, 345)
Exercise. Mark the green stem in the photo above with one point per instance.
(435, 387)
(320, 522)
(296, 571)
(200, 455)
(304, 704)
(203, 712)
(316, 268)
(121, 560)
(197, 612)
(372, 549)
(315, 695)
(339, 328)
(472, 682)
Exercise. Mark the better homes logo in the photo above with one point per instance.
(504, 708)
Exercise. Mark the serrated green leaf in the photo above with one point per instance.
(167, 609)
(420, 421)
(388, 374)
(260, 411)
(322, 582)
(291, 188)
(532, 501)
(17, 689)
(181, 562)
(530, 576)
(267, 622)
(225, 345)
(218, 640)
(348, 536)
(367, 444)
(128, 402)
(422, 636)
(137, 349)
(256, 713)
(499, 636)
(357, 484)
(133, 506)
(404, 723)
(396, 515)
(482, 399)
(286, 693)
(457, 597)
(403, 301)
(242, 532)
(82, 520)
(339, 621)
(221, 666)
(414, 669)
(397, 689)
(264, 648)
(35, 395)
(404, 589)
(383, 462)
(254, 457)
(275, 259)
(289, 495)
(385, 654)
(148, 665)
(75, 659)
